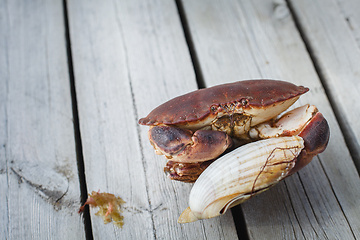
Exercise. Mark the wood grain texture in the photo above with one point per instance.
(40, 192)
(237, 40)
(129, 57)
(332, 31)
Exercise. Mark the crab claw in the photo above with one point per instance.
(305, 121)
(182, 145)
(316, 136)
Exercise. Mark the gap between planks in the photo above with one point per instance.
(348, 134)
(77, 134)
(189, 42)
(239, 222)
(237, 213)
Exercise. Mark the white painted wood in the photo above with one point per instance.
(40, 192)
(237, 40)
(129, 57)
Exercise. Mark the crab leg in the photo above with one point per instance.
(185, 172)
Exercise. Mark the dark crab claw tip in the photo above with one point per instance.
(183, 146)
(316, 136)
(169, 140)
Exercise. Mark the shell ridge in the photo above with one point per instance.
(206, 191)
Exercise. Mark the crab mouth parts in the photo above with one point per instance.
(235, 125)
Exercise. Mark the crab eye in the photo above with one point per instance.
(244, 101)
(213, 108)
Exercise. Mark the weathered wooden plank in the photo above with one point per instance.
(332, 30)
(130, 56)
(333, 35)
(40, 191)
(258, 39)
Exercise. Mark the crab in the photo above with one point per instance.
(194, 129)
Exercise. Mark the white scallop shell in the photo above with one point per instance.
(240, 174)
